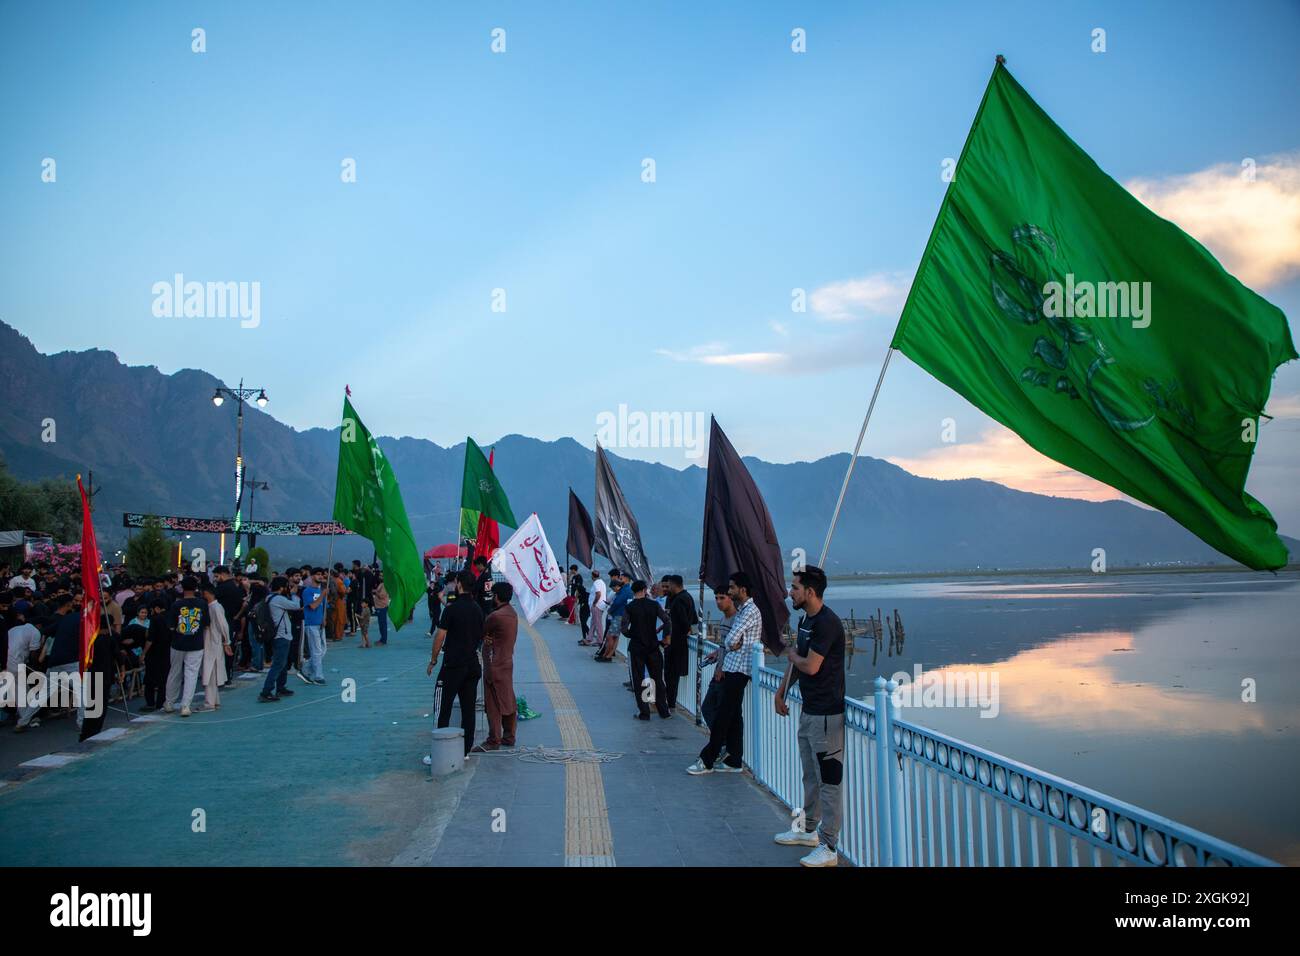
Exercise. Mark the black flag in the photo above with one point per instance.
(739, 536)
(580, 532)
(617, 535)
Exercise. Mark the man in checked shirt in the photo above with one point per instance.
(728, 727)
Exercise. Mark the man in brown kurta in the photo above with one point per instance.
(499, 632)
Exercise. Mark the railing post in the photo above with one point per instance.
(897, 798)
(699, 697)
(755, 752)
(884, 839)
(889, 779)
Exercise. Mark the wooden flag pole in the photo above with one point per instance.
(853, 459)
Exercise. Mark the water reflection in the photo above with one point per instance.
(1130, 684)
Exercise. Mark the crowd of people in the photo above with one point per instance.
(176, 633)
(184, 632)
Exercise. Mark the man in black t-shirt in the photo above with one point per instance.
(641, 623)
(187, 619)
(460, 632)
(817, 657)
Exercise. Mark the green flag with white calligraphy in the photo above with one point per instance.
(1101, 334)
(481, 494)
(368, 501)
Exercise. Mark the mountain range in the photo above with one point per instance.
(157, 444)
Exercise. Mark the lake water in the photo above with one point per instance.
(1131, 684)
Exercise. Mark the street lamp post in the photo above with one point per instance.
(252, 497)
(240, 395)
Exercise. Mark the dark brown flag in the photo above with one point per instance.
(739, 536)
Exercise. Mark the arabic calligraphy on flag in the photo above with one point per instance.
(529, 565)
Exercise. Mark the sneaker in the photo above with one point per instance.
(724, 767)
(185, 711)
(641, 716)
(319, 680)
(822, 856)
(305, 678)
(168, 709)
(698, 768)
(267, 698)
(285, 692)
(793, 837)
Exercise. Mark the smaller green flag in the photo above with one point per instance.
(468, 523)
(482, 493)
(368, 501)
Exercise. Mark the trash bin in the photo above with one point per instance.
(446, 751)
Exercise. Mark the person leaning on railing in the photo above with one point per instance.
(817, 658)
(737, 660)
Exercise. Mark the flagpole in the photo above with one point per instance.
(826, 546)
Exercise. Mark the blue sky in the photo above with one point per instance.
(523, 171)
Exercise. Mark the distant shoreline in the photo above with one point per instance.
(1051, 572)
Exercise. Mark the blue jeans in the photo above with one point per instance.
(382, 613)
(278, 674)
(256, 655)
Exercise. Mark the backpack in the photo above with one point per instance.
(264, 622)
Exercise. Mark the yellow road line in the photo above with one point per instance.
(588, 840)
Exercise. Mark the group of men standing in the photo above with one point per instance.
(477, 618)
(657, 623)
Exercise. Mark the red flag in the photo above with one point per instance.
(489, 537)
(89, 583)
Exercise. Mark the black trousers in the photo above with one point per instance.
(584, 616)
(728, 727)
(644, 659)
(460, 684)
(295, 646)
(156, 666)
(676, 661)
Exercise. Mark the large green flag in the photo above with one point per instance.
(368, 501)
(1103, 335)
(481, 493)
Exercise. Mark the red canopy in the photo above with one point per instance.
(445, 551)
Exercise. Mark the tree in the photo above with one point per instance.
(259, 556)
(52, 506)
(149, 553)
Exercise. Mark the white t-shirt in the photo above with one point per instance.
(599, 589)
(24, 639)
(18, 581)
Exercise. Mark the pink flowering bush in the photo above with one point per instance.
(63, 558)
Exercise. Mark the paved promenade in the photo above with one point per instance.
(318, 780)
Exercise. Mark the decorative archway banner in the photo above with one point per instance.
(132, 519)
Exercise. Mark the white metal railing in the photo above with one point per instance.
(927, 799)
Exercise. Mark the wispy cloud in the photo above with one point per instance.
(1000, 455)
(880, 294)
(1284, 406)
(1252, 226)
(840, 353)
(877, 294)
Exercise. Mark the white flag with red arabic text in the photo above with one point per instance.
(530, 566)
